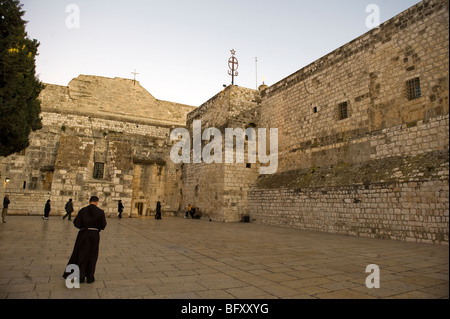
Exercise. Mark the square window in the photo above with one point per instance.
(98, 170)
(413, 89)
(342, 110)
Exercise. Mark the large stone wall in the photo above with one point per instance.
(370, 74)
(398, 197)
(382, 170)
(363, 142)
(219, 190)
(123, 99)
(114, 122)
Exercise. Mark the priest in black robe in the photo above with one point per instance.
(90, 220)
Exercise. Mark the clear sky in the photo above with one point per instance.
(180, 48)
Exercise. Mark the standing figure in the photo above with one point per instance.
(69, 209)
(6, 202)
(47, 210)
(188, 211)
(120, 208)
(158, 210)
(90, 220)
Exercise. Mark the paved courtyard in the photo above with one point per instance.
(177, 258)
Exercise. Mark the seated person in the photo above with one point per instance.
(197, 213)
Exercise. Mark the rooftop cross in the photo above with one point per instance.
(134, 79)
(233, 65)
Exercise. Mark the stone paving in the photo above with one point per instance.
(177, 258)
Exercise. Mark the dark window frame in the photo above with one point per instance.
(413, 90)
(99, 170)
(343, 111)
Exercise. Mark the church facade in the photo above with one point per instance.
(100, 136)
(363, 142)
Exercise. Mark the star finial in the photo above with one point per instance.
(233, 52)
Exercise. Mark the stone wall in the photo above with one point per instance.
(98, 122)
(404, 198)
(369, 74)
(363, 135)
(105, 98)
(363, 142)
(219, 190)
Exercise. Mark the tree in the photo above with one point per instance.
(19, 86)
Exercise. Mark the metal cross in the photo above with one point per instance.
(233, 65)
(134, 79)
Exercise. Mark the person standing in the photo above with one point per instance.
(69, 209)
(47, 210)
(158, 210)
(6, 203)
(120, 208)
(90, 220)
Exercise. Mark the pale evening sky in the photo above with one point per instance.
(180, 48)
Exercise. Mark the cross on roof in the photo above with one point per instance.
(134, 79)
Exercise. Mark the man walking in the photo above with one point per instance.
(69, 209)
(120, 209)
(90, 220)
(6, 202)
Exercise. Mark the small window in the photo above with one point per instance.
(413, 89)
(248, 165)
(342, 110)
(98, 170)
(315, 109)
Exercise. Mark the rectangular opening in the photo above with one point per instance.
(342, 110)
(98, 170)
(413, 89)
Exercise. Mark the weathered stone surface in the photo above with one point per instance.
(360, 151)
(98, 121)
(112, 98)
(369, 173)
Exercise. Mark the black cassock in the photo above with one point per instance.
(90, 220)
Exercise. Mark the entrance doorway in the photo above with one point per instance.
(139, 207)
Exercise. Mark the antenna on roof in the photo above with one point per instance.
(256, 71)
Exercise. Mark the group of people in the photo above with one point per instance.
(47, 208)
(90, 221)
(69, 209)
(120, 208)
(193, 212)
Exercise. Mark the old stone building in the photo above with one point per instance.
(363, 142)
(102, 136)
(364, 135)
